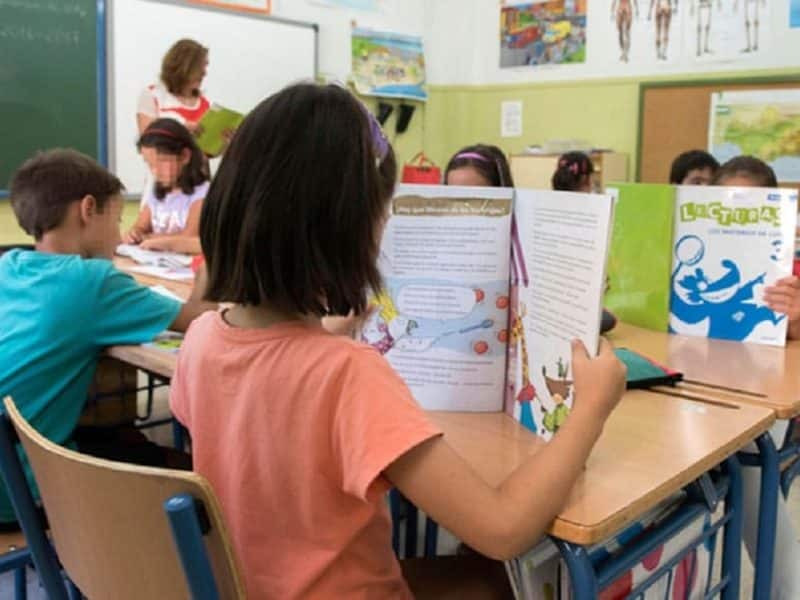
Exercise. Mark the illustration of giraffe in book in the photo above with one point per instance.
(517, 310)
(559, 390)
(527, 393)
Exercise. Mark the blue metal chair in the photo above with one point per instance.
(38, 548)
(112, 523)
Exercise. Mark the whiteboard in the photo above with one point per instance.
(250, 57)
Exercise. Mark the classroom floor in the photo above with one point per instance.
(163, 435)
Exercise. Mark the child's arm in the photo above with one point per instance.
(173, 243)
(784, 297)
(195, 305)
(505, 521)
(141, 227)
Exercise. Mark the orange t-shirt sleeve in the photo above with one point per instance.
(377, 421)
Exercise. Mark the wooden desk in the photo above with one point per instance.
(750, 373)
(652, 446)
(179, 288)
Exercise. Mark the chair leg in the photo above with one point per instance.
(21, 584)
(178, 435)
(73, 591)
(185, 524)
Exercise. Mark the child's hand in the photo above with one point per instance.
(133, 236)
(599, 382)
(153, 244)
(784, 297)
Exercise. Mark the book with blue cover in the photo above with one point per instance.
(729, 245)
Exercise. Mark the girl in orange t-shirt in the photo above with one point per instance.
(300, 432)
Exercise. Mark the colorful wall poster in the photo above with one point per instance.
(441, 320)
(730, 244)
(543, 32)
(640, 260)
(388, 64)
(762, 123)
(794, 13)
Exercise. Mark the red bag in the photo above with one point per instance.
(421, 169)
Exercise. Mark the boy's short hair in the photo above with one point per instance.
(294, 215)
(689, 161)
(46, 184)
(755, 169)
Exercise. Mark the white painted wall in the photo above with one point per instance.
(464, 46)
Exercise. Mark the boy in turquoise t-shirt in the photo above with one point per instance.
(63, 302)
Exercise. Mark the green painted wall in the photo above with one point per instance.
(10, 232)
(605, 112)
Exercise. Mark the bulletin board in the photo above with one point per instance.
(674, 117)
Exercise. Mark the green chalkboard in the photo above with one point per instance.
(49, 79)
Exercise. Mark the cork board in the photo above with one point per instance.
(673, 118)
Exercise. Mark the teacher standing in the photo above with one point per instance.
(177, 95)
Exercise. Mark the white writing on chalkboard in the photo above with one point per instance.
(53, 6)
(25, 33)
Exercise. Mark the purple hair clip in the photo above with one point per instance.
(379, 142)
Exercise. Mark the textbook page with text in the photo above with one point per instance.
(442, 318)
(558, 278)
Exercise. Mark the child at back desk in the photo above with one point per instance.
(316, 428)
(170, 212)
(63, 302)
(782, 297)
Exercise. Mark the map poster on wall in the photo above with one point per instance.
(794, 13)
(760, 123)
(388, 64)
(543, 32)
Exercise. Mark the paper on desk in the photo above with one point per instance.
(154, 257)
(170, 273)
(160, 289)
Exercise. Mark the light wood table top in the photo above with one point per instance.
(737, 372)
(181, 289)
(652, 446)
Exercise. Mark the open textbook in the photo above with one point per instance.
(468, 326)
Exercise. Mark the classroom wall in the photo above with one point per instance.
(465, 47)
(596, 101)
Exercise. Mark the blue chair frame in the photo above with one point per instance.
(39, 548)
